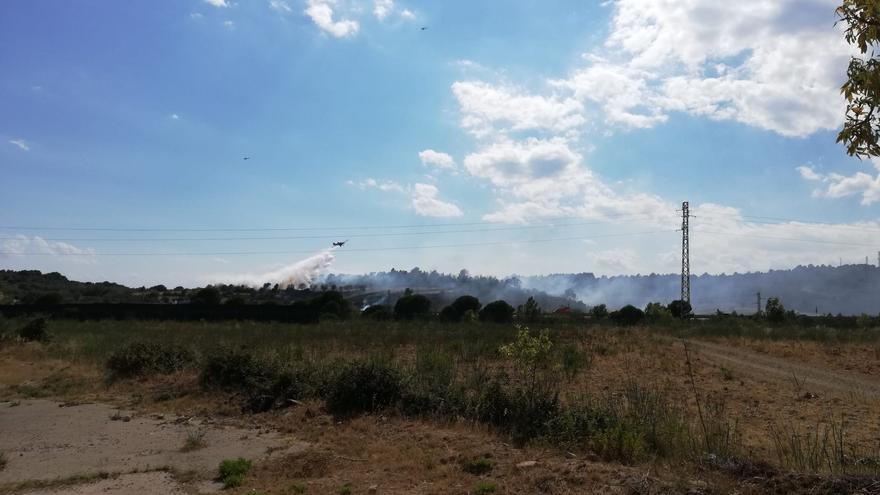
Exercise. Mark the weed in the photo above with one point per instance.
(573, 360)
(364, 386)
(297, 488)
(236, 370)
(726, 374)
(485, 487)
(476, 466)
(141, 358)
(233, 471)
(34, 331)
(345, 489)
(195, 440)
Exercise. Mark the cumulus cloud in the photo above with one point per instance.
(437, 159)
(840, 186)
(218, 3)
(486, 108)
(321, 13)
(21, 143)
(741, 61)
(407, 14)
(228, 24)
(381, 8)
(426, 202)
(21, 245)
(424, 198)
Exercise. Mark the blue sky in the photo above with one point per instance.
(553, 134)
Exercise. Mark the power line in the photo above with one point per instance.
(322, 236)
(284, 229)
(398, 248)
(758, 236)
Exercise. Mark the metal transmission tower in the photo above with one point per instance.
(685, 256)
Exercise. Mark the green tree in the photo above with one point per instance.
(497, 312)
(207, 296)
(599, 311)
(411, 306)
(656, 312)
(680, 309)
(530, 311)
(861, 90)
(628, 315)
(774, 310)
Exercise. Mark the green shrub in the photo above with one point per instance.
(497, 312)
(378, 312)
(573, 360)
(233, 471)
(236, 370)
(34, 331)
(412, 306)
(485, 487)
(476, 466)
(364, 387)
(141, 358)
(628, 315)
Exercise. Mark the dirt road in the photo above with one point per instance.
(48, 445)
(799, 375)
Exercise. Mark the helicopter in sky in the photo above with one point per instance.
(339, 243)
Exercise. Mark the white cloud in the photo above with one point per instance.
(741, 61)
(196, 15)
(407, 14)
(321, 13)
(437, 159)
(425, 202)
(381, 8)
(386, 185)
(174, 116)
(280, 6)
(22, 245)
(840, 186)
(486, 108)
(218, 3)
(228, 24)
(21, 143)
(424, 198)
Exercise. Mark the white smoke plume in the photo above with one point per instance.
(302, 272)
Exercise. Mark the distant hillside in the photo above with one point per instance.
(849, 289)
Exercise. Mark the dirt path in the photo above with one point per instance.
(47, 443)
(797, 374)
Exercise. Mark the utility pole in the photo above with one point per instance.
(685, 256)
(759, 303)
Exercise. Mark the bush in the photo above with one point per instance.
(680, 309)
(235, 371)
(466, 303)
(599, 312)
(449, 315)
(209, 296)
(232, 472)
(530, 311)
(476, 466)
(34, 331)
(628, 315)
(497, 312)
(364, 387)
(377, 312)
(412, 306)
(141, 358)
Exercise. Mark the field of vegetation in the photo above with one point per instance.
(650, 394)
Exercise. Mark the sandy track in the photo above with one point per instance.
(766, 367)
(44, 441)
